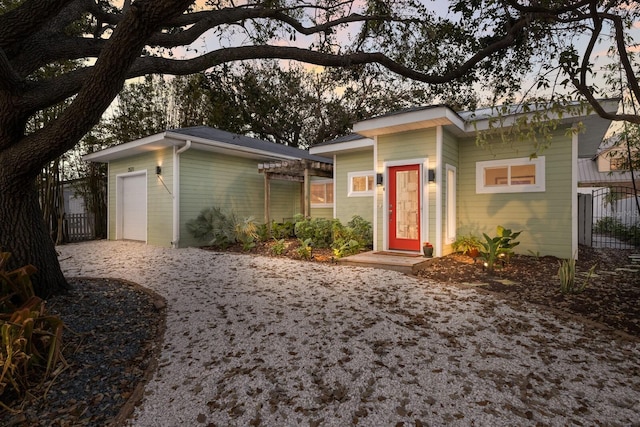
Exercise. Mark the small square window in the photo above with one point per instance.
(361, 184)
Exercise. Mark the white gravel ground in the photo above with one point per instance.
(273, 342)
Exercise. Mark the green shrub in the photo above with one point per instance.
(30, 338)
(246, 232)
(213, 226)
(221, 229)
(317, 230)
(278, 247)
(305, 251)
(499, 247)
(609, 225)
(282, 230)
(567, 277)
(349, 240)
(466, 244)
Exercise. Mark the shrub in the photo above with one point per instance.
(213, 226)
(222, 229)
(609, 225)
(466, 244)
(30, 338)
(305, 251)
(499, 247)
(351, 239)
(278, 247)
(246, 232)
(567, 277)
(282, 230)
(317, 230)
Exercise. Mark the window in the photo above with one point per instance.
(511, 175)
(361, 184)
(619, 164)
(321, 194)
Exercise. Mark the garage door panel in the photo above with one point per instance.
(134, 207)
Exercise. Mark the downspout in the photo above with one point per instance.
(175, 243)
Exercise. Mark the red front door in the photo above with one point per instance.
(404, 208)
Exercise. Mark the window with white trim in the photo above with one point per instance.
(322, 194)
(361, 183)
(519, 175)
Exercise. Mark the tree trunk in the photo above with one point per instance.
(24, 234)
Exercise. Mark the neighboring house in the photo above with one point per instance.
(158, 183)
(608, 167)
(420, 176)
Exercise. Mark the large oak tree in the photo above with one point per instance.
(494, 42)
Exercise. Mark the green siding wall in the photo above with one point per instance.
(347, 207)
(159, 199)
(326, 213)
(404, 146)
(212, 179)
(544, 217)
(285, 200)
(207, 179)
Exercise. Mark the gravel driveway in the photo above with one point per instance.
(273, 342)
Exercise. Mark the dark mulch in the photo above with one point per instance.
(114, 329)
(610, 298)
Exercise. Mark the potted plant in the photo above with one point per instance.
(427, 249)
(468, 245)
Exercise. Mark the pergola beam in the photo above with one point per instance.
(296, 171)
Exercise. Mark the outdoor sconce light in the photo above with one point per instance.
(432, 175)
(158, 170)
(379, 179)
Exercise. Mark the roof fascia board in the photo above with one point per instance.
(354, 145)
(440, 115)
(609, 105)
(228, 146)
(122, 148)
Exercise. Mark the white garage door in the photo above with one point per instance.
(134, 207)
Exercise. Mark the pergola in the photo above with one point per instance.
(293, 170)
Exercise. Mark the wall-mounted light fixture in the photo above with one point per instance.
(379, 179)
(158, 170)
(432, 175)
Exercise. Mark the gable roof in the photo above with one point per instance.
(207, 139)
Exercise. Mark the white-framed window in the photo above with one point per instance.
(322, 193)
(361, 183)
(519, 175)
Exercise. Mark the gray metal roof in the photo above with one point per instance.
(588, 175)
(345, 138)
(206, 132)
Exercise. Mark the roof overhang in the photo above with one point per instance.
(409, 120)
(360, 144)
(172, 139)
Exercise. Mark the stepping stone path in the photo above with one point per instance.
(633, 266)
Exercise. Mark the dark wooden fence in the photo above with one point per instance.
(79, 227)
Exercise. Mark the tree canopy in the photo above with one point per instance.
(493, 45)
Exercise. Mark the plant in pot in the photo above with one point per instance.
(468, 245)
(427, 249)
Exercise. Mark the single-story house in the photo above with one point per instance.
(158, 183)
(419, 176)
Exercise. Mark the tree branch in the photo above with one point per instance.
(27, 19)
